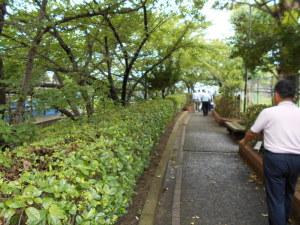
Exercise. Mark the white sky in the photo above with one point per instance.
(221, 27)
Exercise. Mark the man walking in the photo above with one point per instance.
(205, 99)
(281, 128)
(195, 97)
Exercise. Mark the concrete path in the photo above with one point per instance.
(209, 185)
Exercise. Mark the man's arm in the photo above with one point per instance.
(249, 136)
(257, 128)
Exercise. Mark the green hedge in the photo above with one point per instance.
(82, 172)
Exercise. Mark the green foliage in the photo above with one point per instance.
(179, 101)
(165, 76)
(228, 105)
(251, 114)
(252, 43)
(211, 62)
(14, 135)
(268, 40)
(83, 172)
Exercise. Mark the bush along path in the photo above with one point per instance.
(216, 186)
(82, 172)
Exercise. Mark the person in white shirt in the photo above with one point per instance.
(196, 99)
(205, 99)
(281, 129)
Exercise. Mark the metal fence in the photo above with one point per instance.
(260, 91)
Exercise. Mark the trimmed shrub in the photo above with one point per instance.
(82, 172)
(179, 100)
(227, 106)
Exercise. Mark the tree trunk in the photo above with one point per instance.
(25, 86)
(146, 88)
(112, 90)
(2, 90)
(89, 106)
(124, 87)
(2, 86)
(67, 113)
(75, 111)
(163, 93)
(129, 62)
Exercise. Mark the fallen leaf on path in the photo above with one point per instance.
(165, 189)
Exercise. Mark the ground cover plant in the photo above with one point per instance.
(82, 172)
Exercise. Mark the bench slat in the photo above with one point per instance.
(234, 126)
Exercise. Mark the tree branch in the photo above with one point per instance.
(66, 48)
(113, 92)
(57, 66)
(118, 38)
(160, 61)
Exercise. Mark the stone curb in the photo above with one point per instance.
(220, 120)
(255, 161)
(149, 209)
(178, 183)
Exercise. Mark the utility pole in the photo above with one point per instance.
(245, 88)
(246, 69)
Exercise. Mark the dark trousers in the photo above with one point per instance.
(205, 108)
(281, 173)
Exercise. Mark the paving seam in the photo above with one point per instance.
(177, 189)
(194, 151)
(149, 209)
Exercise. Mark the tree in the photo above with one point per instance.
(164, 77)
(2, 86)
(274, 34)
(42, 15)
(211, 62)
(93, 49)
(168, 42)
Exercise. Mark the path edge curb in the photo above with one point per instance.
(178, 183)
(149, 210)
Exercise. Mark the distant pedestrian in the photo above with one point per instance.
(211, 96)
(280, 125)
(196, 100)
(205, 99)
(199, 95)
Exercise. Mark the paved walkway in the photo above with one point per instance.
(215, 187)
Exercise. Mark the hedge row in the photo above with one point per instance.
(82, 172)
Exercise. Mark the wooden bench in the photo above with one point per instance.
(235, 128)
